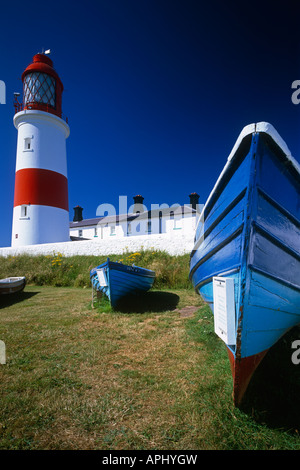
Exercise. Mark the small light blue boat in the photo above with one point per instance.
(117, 280)
(246, 259)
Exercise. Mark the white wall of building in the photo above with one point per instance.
(178, 245)
(173, 227)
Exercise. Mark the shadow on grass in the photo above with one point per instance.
(10, 299)
(273, 396)
(148, 302)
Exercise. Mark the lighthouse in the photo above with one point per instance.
(41, 213)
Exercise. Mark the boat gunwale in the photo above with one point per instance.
(229, 169)
(12, 279)
(142, 272)
(245, 138)
(108, 266)
(12, 287)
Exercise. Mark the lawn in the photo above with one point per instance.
(152, 376)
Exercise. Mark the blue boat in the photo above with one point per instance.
(248, 236)
(117, 280)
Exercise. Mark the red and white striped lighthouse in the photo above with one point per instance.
(41, 213)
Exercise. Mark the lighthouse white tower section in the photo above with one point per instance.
(41, 212)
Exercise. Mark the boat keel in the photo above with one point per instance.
(242, 370)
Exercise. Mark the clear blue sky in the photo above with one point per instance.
(156, 91)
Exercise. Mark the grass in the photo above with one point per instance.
(150, 378)
(60, 271)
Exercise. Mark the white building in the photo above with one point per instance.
(177, 221)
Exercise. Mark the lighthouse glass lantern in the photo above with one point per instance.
(39, 88)
(41, 212)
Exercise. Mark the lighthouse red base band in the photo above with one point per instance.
(41, 187)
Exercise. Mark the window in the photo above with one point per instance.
(80, 233)
(129, 228)
(177, 224)
(112, 230)
(27, 143)
(95, 232)
(24, 211)
(149, 227)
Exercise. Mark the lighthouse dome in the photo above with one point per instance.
(42, 87)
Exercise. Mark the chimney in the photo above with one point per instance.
(77, 214)
(194, 200)
(138, 203)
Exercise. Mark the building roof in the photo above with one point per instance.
(115, 219)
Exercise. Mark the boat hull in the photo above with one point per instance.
(12, 285)
(250, 231)
(117, 281)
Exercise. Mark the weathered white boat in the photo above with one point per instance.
(10, 285)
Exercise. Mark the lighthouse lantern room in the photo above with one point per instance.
(41, 213)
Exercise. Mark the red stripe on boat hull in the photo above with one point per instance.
(242, 371)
